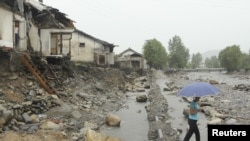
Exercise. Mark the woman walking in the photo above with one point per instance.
(192, 120)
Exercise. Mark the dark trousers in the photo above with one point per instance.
(193, 128)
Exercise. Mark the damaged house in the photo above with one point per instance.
(32, 33)
(86, 48)
(131, 59)
(29, 25)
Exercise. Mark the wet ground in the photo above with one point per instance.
(176, 106)
(237, 100)
(134, 125)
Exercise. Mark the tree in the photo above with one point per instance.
(155, 53)
(230, 58)
(196, 60)
(212, 62)
(245, 59)
(178, 54)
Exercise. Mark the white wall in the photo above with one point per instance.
(85, 54)
(45, 40)
(22, 32)
(34, 38)
(6, 28)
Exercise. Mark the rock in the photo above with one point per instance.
(112, 120)
(90, 125)
(32, 92)
(84, 95)
(146, 86)
(54, 96)
(213, 82)
(76, 114)
(166, 89)
(215, 121)
(213, 113)
(7, 115)
(43, 116)
(2, 122)
(29, 83)
(231, 121)
(27, 118)
(30, 127)
(141, 98)
(140, 90)
(2, 108)
(13, 77)
(49, 125)
(91, 135)
(35, 118)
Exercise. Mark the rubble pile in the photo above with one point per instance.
(84, 96)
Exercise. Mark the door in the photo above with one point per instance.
(53, 44)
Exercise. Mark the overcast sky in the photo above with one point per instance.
(203, 25)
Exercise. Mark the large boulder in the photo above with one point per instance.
(112, 120)
(91, 135)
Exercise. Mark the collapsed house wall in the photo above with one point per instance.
(34, 38)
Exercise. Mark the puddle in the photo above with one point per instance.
(134, 124)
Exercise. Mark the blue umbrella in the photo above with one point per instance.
(198, 89)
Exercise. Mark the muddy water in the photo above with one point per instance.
(134, 124)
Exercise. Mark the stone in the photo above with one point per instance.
(49, 125)
(13, 77)
(76, 114)
(112, 120)
(141, 98)
(91, 135)
(2, 122)
(27, 118)
(215, 121)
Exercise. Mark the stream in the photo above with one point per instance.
(134, 124)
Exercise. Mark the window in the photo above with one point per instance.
(82, 45)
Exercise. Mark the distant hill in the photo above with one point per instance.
(209, 54)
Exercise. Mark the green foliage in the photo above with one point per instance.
(212, 62)
(245, 59)
(178, 54)
(155, 53)
(230, 58)
(196, 60)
